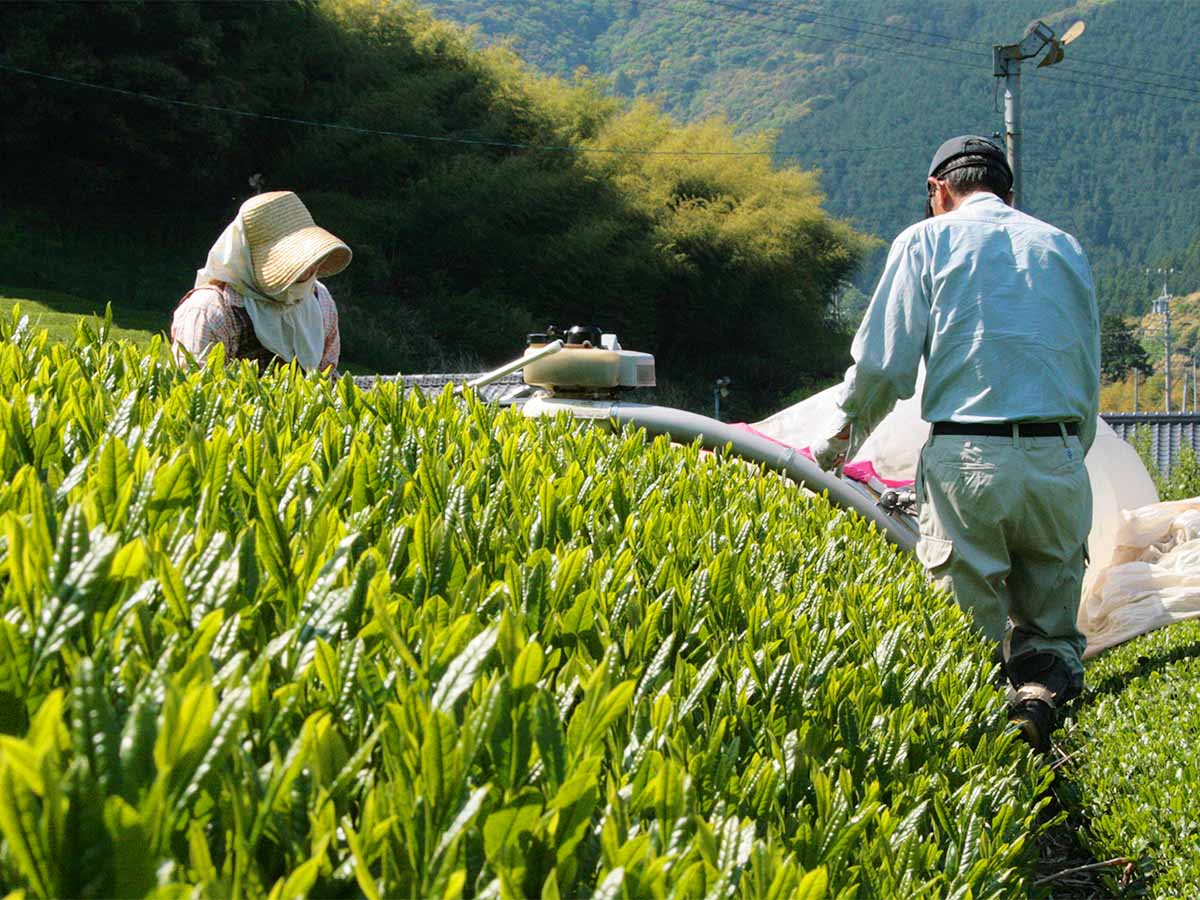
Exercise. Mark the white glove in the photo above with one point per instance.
(830, 453)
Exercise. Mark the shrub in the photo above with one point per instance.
(1138, 787)
(276, 636)
(1183, 479)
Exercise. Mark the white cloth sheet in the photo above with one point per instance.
(1152, 578)
(1145, 555)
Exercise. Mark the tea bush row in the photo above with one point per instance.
(1133, 774)
(274, 636)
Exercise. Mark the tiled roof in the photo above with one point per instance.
(1169, 434)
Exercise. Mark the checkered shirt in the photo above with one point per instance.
(216, 314)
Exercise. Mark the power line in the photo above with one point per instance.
(440, 139)
(1139, 69)
(891, 50)
(944, 37)
(799, 34)
(841, 42)
(1075, 56)
(1123, 80)
(1057, 78)
(484, 142)
(808, 17)
(801, 14)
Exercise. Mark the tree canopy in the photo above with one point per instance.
(1120, 351)
(864, 92)
(527, 200)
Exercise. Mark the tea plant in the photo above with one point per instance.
(1131, 770)
(1182, 482)
(274, 636)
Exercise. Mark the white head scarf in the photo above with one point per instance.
(291, 329)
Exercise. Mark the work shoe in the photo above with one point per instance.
(1032, 711)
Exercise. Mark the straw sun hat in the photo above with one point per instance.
(284, 241)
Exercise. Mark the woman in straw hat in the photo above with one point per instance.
(258, 293)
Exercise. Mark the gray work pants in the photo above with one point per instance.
(1004, 524)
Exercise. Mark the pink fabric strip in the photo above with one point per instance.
(860, 470)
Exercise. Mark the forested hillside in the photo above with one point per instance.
(466, 185)
(865, 91)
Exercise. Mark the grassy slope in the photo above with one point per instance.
(58, 313)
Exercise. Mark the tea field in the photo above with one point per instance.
(274, 636)
(1132, 773)
(60, 314)
(278, 637)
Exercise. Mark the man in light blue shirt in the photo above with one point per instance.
(1002, 308)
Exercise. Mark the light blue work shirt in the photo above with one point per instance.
(1003, 309)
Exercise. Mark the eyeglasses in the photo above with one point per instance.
(929, 192)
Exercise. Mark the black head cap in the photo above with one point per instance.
(953, 155)
(967, 145)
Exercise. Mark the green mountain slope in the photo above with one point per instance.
(865, 91)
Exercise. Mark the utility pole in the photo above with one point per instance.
(1006, 64)
(720, 389)
(1162, 306)
(1193, 381)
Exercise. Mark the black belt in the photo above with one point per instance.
(1005, 429)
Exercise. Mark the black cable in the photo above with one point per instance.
(1074, 56)
(807, 17)
(1139, 69)
(804, 17)
(891, 50)
(804, 13)
(1095, 61)
(934, 34)
(410, 136)
(797, 34)
(1123, 80)
(1110, 87)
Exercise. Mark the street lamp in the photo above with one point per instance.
(1006, 64)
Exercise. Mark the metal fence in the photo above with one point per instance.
(432, 385)
(1169, 433)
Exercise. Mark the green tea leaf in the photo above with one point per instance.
(461, 673)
